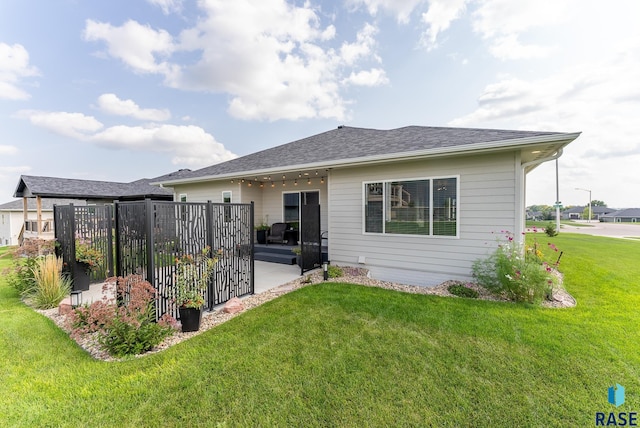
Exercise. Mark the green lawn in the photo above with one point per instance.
(345, 355)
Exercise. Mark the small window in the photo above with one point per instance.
(183, 197)
(226, 199)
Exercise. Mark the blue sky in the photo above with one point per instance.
(123, 89)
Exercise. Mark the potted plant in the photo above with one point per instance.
(261, 233)
(298, 252)
(88, 259)
(191, 280)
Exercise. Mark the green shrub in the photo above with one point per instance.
(128, 328)
(515, 272)
(49, 286)
(551, 230)
(461, 290)
(334, 271)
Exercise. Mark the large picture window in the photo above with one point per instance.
(425, 207)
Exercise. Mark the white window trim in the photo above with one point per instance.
(384, 202)
(180, 196)
(230, 192)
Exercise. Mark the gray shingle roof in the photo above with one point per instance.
(47, 204)
(346, 143)
(629, 212)
(53, 187)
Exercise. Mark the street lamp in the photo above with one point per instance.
(587, 190)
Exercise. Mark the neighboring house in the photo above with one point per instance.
(573, 213)
(577, 213)
(13, 226)
(629, 215)
(414, 204)
(37, 194)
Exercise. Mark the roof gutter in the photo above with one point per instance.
(438, 152)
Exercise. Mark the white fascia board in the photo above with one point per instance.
(487, 147)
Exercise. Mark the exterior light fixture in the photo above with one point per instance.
(321, 180)
(295, 182)
(308, 181)
(283, 183)
(232, 181)
(325, 271)
(261, 184)
(273, 184)
(76, 298)
(249, 184)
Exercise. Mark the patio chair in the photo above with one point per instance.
(276, 234)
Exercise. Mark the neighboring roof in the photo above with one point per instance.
(47, 204)
(629, 212)
(53, 187)
(347, 145)
(594, 209)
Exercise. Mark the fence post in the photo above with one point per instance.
(109, 215)
(118, 255)
(209, 242)
(148, 222)
(251, 235)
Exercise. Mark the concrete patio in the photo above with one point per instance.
(267, 276)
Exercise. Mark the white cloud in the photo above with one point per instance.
(14, 65)
(274, 59)
(74, 125)
(139, 46)
(168, 6)
(438, 18)
(8, 150)
(189, 145)
(111, 104)
(373, 77)
(401, 9)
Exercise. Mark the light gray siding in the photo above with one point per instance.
(268, 201)
(486, 205)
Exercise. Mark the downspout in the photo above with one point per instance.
(524, 166)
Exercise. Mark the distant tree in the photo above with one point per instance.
(598, 203)
(585, 213)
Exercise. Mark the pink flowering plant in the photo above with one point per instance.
(128, 328)
(518, 271)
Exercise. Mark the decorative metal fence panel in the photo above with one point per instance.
(151, 235)
(90, 226)
(232, 236)
(310, 237)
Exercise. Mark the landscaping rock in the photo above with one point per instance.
(65, 307)
(233, 306)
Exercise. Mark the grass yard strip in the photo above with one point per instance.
(347, 355)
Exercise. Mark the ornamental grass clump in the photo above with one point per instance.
(49, 286)
(127, 328)
(517, 272)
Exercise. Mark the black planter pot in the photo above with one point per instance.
(81, 276)
(261, 236)
(190, 318)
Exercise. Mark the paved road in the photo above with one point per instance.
(615, 230)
